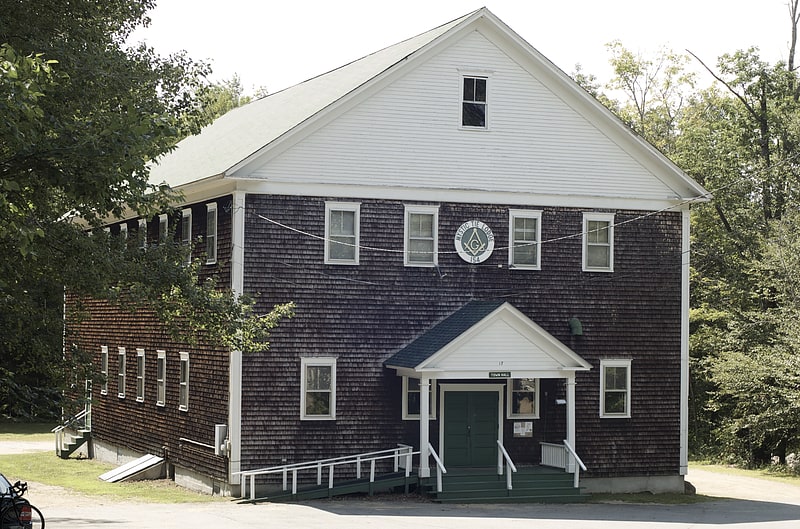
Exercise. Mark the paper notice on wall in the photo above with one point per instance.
(523, 429)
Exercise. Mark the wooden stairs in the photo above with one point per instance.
(530, 485)
(79, 439)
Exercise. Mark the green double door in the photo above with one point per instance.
(470, 428)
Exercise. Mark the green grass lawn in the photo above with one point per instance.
(778, 474)
(81, 475)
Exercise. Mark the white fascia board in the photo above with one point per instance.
(465, 196)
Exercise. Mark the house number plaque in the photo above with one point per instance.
(474, 241)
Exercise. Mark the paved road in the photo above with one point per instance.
(758, 504)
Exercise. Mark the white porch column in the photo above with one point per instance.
(571, 419)
(424, 426)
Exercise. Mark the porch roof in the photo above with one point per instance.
(484, 337)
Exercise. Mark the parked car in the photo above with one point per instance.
(15, 511)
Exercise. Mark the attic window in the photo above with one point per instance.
(473, 102)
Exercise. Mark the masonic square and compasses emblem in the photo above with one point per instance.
(474, 241)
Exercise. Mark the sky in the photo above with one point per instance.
(275, 44)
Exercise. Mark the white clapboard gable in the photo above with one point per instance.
(387, 126)
(506, 340)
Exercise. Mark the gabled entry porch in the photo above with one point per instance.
(484, 364)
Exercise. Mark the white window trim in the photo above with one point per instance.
(122, 375)
(123, 230)
(606, 217)
(423, 210)
(161, 383)
(469, 73)
(626, 363)
(354, 207)
(186, 231)
(104, 369)
(163, 228)
(211, 239)
(528, 214)
(305, 362)
(415, 416)
(142, 233)
(140, 380)
(181, 383)
(509, 401)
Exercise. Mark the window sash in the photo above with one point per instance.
(104, 369)
(318, 389)
(525, 235)
(211, 233)
(421, 232)
(163, 228)
(183, 393)
(473, 102)
(161, 376)
(140, 375)
(412, 399)
(121, 373)
(523, 398)
(142, 234)
(598, 242)
(615, 388)
(341, 233)
(186, 232)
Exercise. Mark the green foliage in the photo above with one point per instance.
(655, 92)
(738, 138)
(81, 116)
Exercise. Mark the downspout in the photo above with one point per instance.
(235, 362)
(684, 403)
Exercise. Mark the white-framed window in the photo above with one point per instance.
(474, 101)
(525, 234)
(211, 233)
(317, 388)
(421, 237)
(522, 400)
(598, 242)
(161, 377)
(186, 232)
(123, 231)
(139, 375)
(121, 372)
(615, 388)
(412, 401)
(183, 389)
(104, 369)
(163, 228)
(142, 233)
(342, 232)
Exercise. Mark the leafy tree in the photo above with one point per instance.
(655, 91)
(82, 116)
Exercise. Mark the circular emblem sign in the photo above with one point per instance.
(474, 241)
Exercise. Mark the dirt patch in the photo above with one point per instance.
(25, 447)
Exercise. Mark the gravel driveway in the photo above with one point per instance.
(744, 503)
